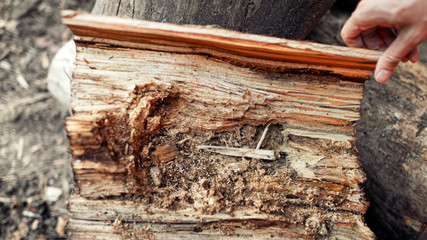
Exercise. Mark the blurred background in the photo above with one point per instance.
(35, 170)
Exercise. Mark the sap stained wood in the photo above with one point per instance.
(250, 50)
(146, 96)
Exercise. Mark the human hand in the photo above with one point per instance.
(396, 26)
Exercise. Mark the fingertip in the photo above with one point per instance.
(350, 34)
(382, 75)
(414, 55)
(414, 60)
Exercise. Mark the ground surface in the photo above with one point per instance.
(35, 172)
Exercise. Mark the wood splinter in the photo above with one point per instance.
(263, 136)
(240, 152)
(164, 154)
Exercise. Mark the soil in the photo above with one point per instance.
(35, 171)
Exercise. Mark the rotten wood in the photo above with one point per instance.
(109, 218)
(164, 154)
(145, 95)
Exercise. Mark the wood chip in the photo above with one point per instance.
(5, 65)
(21, 80)
(44, 60)
(35, 224)
(61, 226)
(164, 154)
(20, 148)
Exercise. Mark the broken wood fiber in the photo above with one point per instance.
(148, 97)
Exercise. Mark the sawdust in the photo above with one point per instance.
(131, 231)
(209, 182)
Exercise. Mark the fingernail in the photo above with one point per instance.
(382, 76)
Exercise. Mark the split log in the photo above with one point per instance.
(143, 88)
(292, 19)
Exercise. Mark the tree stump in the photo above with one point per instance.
(201, 133)
(290, 19)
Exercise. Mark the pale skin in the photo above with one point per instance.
(395, 26)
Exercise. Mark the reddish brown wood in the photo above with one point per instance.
(268, 53)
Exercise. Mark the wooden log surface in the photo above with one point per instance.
(292, 19)
(155, 90)
(118, 219)
(211, 97)
(268, 53)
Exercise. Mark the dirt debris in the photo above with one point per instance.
(33, 145)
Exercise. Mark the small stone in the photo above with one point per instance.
(35, 224)
(5, 65)
(52, 194)
(29, 214)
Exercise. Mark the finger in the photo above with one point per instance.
(354, 39)
(388, 62)
(414, 55)
(387, 35)
(366, 16)
(350, 34)
(372, 39)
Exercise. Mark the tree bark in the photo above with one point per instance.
(392, 142)
(166, 123)
(391, 138)
(292, 19)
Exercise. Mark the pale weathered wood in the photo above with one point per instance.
(113, 219)
(240, 152)
(133, 98)
(291, 19)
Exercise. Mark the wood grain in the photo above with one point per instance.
(144, 101)
(244, 49)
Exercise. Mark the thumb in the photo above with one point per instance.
(398, 50)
